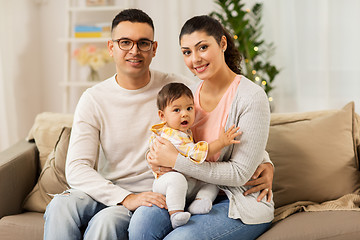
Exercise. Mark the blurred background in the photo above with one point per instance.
(316, 50)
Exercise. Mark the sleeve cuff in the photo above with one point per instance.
(266, 159)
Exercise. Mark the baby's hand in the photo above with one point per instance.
(228, 137)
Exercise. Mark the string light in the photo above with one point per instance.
(263, 83)
(253, 72)
(235, 37)
(248, 10)
(270, 99)
(256, 49)
(247, 60)
(257, 79)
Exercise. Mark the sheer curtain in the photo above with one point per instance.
(20, 73)
(8, 131)
(318, 50)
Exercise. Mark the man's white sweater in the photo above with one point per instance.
(118, 120)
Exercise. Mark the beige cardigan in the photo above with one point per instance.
(249, 110)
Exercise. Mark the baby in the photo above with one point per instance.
(176, 111)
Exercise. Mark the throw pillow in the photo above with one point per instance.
(52, 178)
(357, 136)
(314, 155)
(46, 131)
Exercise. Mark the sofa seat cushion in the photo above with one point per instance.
(334, 225)
(28, 225)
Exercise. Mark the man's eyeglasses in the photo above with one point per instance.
(127, 44)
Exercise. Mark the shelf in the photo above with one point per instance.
(96, 9)
(85, 40)
(78, 13)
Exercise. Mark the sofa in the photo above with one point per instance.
(316, 182)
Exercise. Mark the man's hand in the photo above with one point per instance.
(133, 201)
(262, 181)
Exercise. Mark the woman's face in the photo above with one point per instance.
(202, 54)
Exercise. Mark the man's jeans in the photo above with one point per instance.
(75, 215)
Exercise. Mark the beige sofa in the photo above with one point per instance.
(316, 181)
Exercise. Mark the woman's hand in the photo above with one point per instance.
(156, 168)
(162, 153)
(262, 181)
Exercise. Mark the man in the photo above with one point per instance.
(112, 117)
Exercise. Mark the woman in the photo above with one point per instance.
(222, 98)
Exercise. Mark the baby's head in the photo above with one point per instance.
(176, 106)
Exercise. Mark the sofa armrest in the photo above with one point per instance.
(19, 166)
(358, 155)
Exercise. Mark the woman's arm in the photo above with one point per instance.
(262, 181)
(240, 161)
(251, 113)
(226, 138)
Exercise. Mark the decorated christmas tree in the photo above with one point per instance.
(245, 25)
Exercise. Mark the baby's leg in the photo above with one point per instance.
(174, 186)
(204, 199)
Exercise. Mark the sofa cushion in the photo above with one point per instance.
(52, 178)
(46, 131)
(29, 226)
(335, 225)
(314, 156)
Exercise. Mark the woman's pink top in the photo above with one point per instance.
(207, 124)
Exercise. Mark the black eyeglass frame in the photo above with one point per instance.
(133, 43)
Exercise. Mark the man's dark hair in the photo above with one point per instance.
(170, 92)
(132, 15)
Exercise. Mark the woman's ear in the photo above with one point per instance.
(223, 43)
(161, 115)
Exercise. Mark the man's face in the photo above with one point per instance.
(132, 63)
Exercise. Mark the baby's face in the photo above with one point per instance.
(179, 114)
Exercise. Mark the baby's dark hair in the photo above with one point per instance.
(170, 92)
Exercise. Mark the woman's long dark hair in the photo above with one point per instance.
(213, 28)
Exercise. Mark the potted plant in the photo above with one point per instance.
(245, 25)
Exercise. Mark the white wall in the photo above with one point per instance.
(52, 52)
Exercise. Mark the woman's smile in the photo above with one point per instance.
(201, 68)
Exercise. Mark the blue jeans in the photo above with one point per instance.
(154, 223)
(75, 215)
